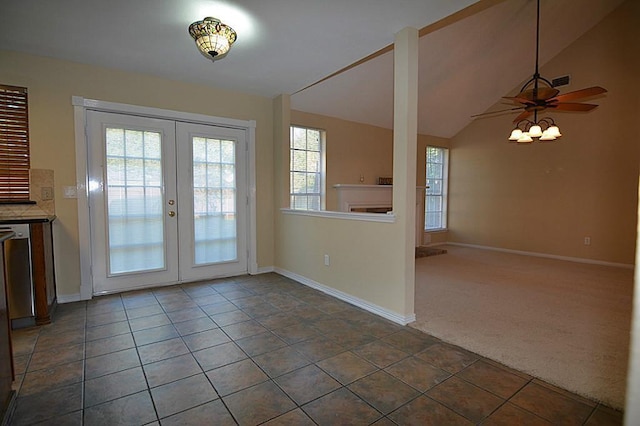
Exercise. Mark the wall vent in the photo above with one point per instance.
(560, 81)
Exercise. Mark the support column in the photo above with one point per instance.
(281, 132)
(632, 408)
(281, 126)
(405, 136)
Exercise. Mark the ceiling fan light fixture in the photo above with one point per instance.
(554, 131)
(212, 37)
(547, 136)
(535, 131)
(544, 130)
(515, 134)
(525, 138)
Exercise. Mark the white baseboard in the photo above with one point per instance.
(265, 270)
(536, 254)
(68, 298)
(367, 306)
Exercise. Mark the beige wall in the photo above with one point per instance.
(362, 261)
(51, 85)
(353, 150)
(547, 197)
(370, 261)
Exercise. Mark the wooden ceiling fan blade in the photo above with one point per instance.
(578, 94)
(522, 116)
(572, 106)
(519, 100)
(496, 112)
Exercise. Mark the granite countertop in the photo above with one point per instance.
(5, 235)
(5, 220)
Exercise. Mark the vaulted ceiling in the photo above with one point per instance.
(287, 45)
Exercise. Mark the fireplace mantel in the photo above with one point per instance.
(360, 197)
(376, 199)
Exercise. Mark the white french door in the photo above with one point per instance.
(167, 201)
(212, 208)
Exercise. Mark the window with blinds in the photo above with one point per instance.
(435, 202)
(307, 169)
(14, 144)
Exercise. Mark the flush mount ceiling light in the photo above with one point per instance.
(212, 37)
(537, 95)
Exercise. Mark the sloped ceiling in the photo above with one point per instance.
(464, 68)
(286, 45)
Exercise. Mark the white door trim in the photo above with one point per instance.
(80, 107)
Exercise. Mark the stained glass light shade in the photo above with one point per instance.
(212, 37)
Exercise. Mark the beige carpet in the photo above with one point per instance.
(564, 322)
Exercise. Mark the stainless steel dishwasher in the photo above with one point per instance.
(17, 262)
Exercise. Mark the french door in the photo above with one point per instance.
(167, 201)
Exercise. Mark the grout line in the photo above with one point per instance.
(84, 362)
(255, 317)
(144, 372)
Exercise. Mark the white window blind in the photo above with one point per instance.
(14, 144)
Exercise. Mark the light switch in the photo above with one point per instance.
(70, 192)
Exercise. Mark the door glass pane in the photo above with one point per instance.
(134, 201)
(214, 200)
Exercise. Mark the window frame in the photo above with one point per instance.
(321, 173)
(443, 194)
(15, 155)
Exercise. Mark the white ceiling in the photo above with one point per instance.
(286, 45)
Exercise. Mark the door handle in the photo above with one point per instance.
(172, 213)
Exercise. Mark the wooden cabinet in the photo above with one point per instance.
(6, 357)
(43, 275)
(30, 270)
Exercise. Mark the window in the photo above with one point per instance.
(435, 203)
(14, 144)
(307, 169)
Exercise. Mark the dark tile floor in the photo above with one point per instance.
(264, 350)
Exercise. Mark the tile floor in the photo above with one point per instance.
(264, 350)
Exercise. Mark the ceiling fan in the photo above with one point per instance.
(540, 98)
(538, 94)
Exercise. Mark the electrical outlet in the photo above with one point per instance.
(326, 260)
(587, 241)
(47, 193)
